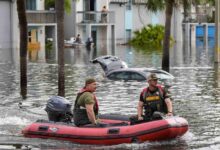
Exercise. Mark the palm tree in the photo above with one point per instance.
(169, 11)
(60, 39)
(154, 6)
(23, 46)
(187, 5)
(186, 8)
(166, 41)
(67, 5)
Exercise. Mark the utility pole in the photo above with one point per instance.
(217, 31)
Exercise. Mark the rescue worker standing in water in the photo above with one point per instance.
(86, 105)
(153, 99)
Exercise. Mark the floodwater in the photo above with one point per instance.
(195, 92)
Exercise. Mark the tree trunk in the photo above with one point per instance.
(60, 41)
(186, 10)
(23, 46)
(166, 41)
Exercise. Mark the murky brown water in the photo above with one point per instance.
(195, 91)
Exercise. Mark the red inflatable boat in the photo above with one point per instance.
(119, 132)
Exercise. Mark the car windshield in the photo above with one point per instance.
(126, 75)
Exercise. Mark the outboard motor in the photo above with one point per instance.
(58, 109)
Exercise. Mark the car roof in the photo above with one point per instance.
(112, 64)
(109, 63)
(146, 71)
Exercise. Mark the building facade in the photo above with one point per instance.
(133, 15)
(86, 19)
(8, 29)
(124, 17)
(6, 25)
(91, 21)
(41, 28)
(41, 18)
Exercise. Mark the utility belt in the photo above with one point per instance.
(156, 116)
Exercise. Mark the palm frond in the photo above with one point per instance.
(155, 5)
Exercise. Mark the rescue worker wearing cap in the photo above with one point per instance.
(86, 105)
(153, 99)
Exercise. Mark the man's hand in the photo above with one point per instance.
(140, 118)
(169, 114)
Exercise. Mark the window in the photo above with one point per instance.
(128, 35)
(136, 76)
(129, 5)
(126, 75)
(29, 36)
(31, 4)
(119, 76)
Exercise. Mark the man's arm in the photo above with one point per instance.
(90, 113)
(140, 110)
(168, 102)
(169, 107)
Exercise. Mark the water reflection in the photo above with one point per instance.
(185, 55)
(195, 91)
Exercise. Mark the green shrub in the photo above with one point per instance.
(49, 4)
(49, 45)
(149, 37)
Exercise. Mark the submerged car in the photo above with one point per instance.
(116, 69)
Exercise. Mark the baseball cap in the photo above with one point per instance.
(152, 76)
(89, 81)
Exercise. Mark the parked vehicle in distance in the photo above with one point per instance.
(116, 69)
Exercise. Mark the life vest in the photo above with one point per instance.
(154, 101)
(80, 113)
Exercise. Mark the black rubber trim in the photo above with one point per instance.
(43, 128)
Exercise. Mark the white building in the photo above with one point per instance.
(8, 28)
(8, 18)
(124, 17)
(88, 22)
(133, 15)
(41, 28)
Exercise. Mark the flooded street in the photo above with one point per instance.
(195, 92)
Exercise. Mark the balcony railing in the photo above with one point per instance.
(41, 16)
(139, 2)
(121, 2)
(95, 17)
